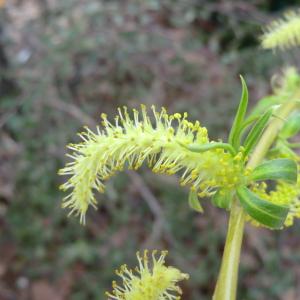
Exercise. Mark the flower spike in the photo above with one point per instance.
(151, 280)
(283, 33)
(163, 144)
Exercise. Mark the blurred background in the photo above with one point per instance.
(62, 63)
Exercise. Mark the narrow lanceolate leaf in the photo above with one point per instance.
(265, 212)
(194, 147)
(291, 126)
(239, 117)
(276, 169)
(222, 199)
(194, 202)
(256, 131)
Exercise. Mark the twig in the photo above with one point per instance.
(152, 202)
(72, 110)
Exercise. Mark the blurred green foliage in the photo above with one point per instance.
(70, 61)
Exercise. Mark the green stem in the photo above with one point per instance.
(228, 277)
(293, 145)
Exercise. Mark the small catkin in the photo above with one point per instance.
(150, 280)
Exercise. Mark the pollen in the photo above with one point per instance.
(150, 280)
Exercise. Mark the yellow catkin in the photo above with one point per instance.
(283, 33)
(133, 139)
(150, 280)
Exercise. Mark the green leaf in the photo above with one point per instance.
(239, 117)
(276, 169)
(245, 126)
(222, 198)
(256, 131)
(248, 122)
(265, 212)
(291, 126)
(205, 147)
(194, 202)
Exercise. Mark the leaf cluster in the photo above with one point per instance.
(282, 167)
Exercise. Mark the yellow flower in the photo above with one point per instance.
(283, 33)
(134, 139)
(151, 280)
